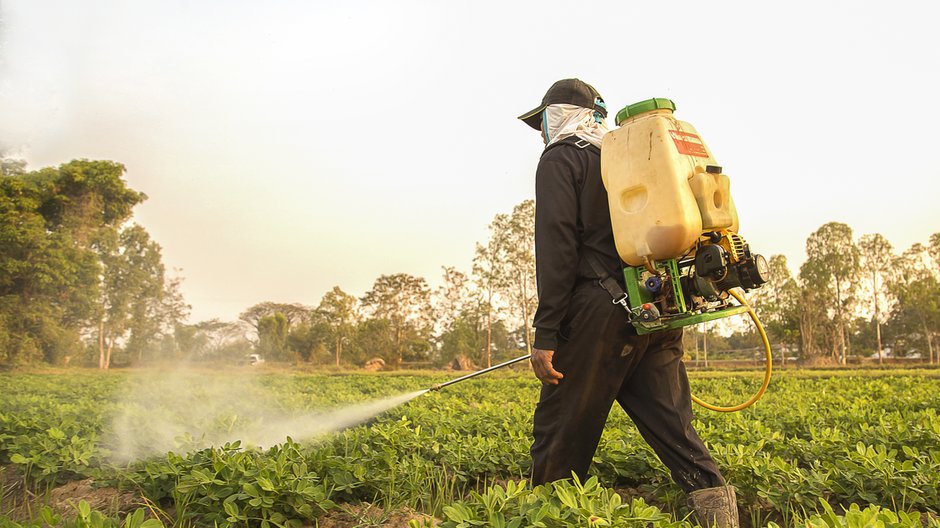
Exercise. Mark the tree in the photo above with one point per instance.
(489, 281)
(373, 337)
(272, 336)
(777, 302)
(814, 320)
(452, 298)
(876, 259)
(212, 339)
(68, 267)
(88, 201)
(309, 340)
(915, 318)
(46, 284)
(337, 310)
(405, 302)
(83, 197)
(514, 236)
(293, 312)
(830, 270)
(460, 317)
(934, 250)
(190, 342)
(132, 289)
(12, 167)
(168, 314)
(54, 220)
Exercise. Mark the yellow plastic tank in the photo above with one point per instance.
(663, 185)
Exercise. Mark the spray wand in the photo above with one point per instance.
(477, 373)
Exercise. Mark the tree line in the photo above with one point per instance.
(79, 284)
(478, 317)
(854, 297)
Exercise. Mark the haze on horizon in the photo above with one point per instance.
(290, 147)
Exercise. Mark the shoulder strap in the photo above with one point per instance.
(579, 143)
(572, 140)
(618, 296)
(610, 285)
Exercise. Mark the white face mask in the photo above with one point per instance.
(560, 121)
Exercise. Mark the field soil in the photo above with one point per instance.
(20, 504)
(369, 515)
(13, 493)
(66, 497)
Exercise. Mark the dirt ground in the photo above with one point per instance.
(370, 515)
(63, 499)
(12, 492)
(21, 504)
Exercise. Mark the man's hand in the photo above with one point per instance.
(542, 364)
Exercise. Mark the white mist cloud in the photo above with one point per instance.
(183, 410)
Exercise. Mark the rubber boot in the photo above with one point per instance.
(715, 507)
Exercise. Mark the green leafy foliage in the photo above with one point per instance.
(85, 518)
(69, 267)
(562, 503)
(870, 517)
(817, 440)
(275, 487)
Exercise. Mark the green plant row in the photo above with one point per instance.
(85, 517)
(571, 503)
(814, 440)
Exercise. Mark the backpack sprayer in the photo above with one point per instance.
(676, 227)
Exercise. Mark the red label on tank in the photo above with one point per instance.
(688, 144)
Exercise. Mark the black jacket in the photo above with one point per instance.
(572, 221)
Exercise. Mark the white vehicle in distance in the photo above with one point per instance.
(253, 359)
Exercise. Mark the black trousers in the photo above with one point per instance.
(603, 360)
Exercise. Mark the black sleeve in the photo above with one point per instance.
(556, 243)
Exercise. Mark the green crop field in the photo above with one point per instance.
(850, 448)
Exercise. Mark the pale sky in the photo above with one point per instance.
(288, 147)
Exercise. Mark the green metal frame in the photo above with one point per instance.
(688, 319)
(637, 295)
(676, 285)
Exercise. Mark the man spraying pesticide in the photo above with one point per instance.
(635, 238)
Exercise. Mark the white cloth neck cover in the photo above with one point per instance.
(565, 120)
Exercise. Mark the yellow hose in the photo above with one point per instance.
(763, 387)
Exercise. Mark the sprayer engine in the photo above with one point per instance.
(694, 288)
(722, 262)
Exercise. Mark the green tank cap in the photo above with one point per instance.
(643, 106)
